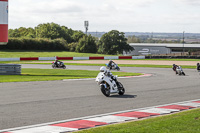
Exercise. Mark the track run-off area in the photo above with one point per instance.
(30, 103)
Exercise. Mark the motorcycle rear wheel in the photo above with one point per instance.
(105, 91)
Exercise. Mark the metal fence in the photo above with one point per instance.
(10, 69)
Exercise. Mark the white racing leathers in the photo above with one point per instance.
(108, 84)
(180, 70)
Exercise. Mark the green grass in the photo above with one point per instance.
(132, 65)
(54, 74)
(16, 54)
(24, 53)
(183, 122)
(88, 64)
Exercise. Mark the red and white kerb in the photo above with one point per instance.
(3, 22)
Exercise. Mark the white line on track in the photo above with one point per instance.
(94, 116)
(145, 75)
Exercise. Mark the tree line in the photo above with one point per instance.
(51, 36)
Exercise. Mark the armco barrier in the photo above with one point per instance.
(28, 58)
(10, 69)
(96, 58)
(80, 58)
(72, 58)
(111, 57)
(47, 58)
(9, 59)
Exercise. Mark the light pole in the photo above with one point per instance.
(86, 24)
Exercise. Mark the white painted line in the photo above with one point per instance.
(45, 129)
(192, 104)
(159, 110)
(78, 79)
(146, 75)
(88, 117)
(111, 119)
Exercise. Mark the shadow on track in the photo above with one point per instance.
(123, 96)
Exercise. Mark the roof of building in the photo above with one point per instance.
(168, 45)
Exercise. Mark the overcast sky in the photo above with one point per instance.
(105, 15)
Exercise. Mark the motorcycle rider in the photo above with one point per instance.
(110, 63)
(57, 62)
(174, 67)
(108, 73)
(198, 66)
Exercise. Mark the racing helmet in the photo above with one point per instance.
(103, 69)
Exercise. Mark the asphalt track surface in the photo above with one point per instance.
(29, 103)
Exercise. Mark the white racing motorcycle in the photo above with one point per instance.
(179, 71)
(108, 85)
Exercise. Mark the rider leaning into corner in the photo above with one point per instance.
(108, 73)
(198, 67)
(56, 62)
(174, 68)
(110, 63)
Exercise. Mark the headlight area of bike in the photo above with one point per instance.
(104, 83)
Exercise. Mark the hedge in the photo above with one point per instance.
(35, 44)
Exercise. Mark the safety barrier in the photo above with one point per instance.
(72, 58)
(10, 69)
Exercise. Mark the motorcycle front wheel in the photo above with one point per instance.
(183, 73)
(64, 67)
(121, 89)
(105, 91)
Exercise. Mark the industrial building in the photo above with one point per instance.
(161, 48)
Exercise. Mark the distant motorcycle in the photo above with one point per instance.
(179, 71)
(198, 67)
(114, 67)
(108, 85)
(59, 65)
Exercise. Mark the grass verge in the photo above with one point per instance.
(87, 64)
(132, 65)
(21, 53)
(55, 74)
(183, 122)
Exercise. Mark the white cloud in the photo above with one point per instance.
(189, 2)
(105, 15)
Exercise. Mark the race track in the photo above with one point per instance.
(29, 103)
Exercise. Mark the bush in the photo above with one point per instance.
(35, 44)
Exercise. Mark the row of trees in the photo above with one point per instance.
(113, 42)
(147, 39)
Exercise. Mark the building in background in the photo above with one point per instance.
(161, 48)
